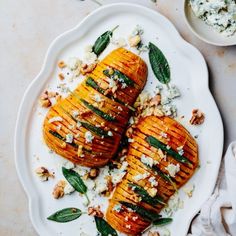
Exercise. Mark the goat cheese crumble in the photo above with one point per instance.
(220, 14)
(69, 138)
(173, 169)
(55, 118)
(88, 137)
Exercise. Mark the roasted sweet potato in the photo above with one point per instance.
(86, 127)
(158, 144)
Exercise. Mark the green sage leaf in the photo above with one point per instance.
(75, 181)
(158, 144)
(144, 213)
(159, 64)
(153, 201)
(102, 41)
(162, 221)
(65, 215)
(104, 228)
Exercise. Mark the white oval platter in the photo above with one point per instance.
(189, 72)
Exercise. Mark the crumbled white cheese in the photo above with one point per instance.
(130, 140)
(68, 189)
(141, 176)
(173, 169)
(88, 48)
(78, 125)
(75, 113)
(90, 57)
(153, 181)
(174, 204)
(165, 100)
(88, 137)
(138, 30)
(73, 63)
(219, 14)
(55, 118)
(173, 92)
(163, 134)
(119, 42)
(97, 98)
(69, 165)
(71, 127)
(117, 207)
(58, 127)
(189, 190)
(112, 83)
(147, 160)
(180, 150)
(118, 174)
(69, 138)
(110, 133)
(170, 110)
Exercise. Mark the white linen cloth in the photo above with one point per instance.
(218, 214)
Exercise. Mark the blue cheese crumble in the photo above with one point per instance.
(220, 14)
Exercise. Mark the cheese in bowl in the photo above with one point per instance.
(220, 14)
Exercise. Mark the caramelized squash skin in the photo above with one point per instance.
(111, 113)
(171, 133)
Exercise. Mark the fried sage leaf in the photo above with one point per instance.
(144, 213)
(102, 41)
(159, 64)
(162, 221)
(158, 144)
(104, 228)
(75, 181)
(65, 215)
(153, 201)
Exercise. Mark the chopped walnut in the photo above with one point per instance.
(61, 76)
(61, 64)
(85, 68)
(152, 192)
(43, 173)
(134, 40)
(129, 132)
(110, 186)
(58, 191)
(198, 117)
(95, 211)
(44, 100)
(153, 233)
(155, 101)
(93, 173)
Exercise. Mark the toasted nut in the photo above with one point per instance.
(93, 173)
(95, 211)
(153, 233)
(61, 76)
(152, 192)
(45, 103)
(129, 132)
(155, 101)
(85, 69)
(52, 94)
(58, 191)
(80, 150)
(43, 173)
(197, 118)
(61, 64)
(134, 40)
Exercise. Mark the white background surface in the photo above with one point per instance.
(27, 29)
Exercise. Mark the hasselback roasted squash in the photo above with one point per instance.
(86, 127)
(162, 157)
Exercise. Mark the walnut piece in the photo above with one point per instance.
(153, 233)
(95, 211)
(61, 64)
(43, 173)
(134, 40)
(198, 117)
(44, 100)
(85, 69)
(58, 191)
(93, 173)
(61, 76)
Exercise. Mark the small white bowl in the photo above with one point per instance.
(205, 32)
